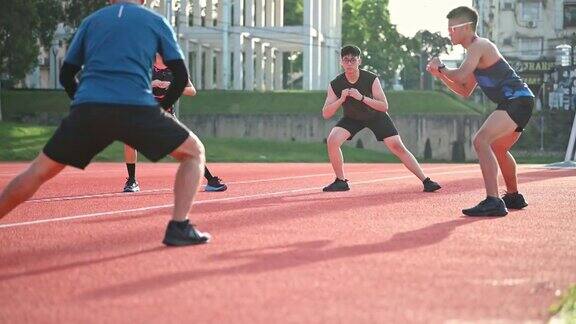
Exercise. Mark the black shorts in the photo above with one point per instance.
(90, 128)
(519, 109)
(382, 126)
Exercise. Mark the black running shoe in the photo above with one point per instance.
(491, 206)
(131, 185)
(430, 186)
(184, 233)
(215, 184)
(337, 185)
(514, 200)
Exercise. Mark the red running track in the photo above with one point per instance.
(285, 252)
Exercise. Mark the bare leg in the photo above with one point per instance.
(497, 125)
(395, 145)
(27, 183)
(335, 140)
(130, 155)
(191, 157)
(501, 148)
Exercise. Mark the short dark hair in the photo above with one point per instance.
(350, 50)
(464, 12)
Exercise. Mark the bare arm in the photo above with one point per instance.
(463, 89)
(189, 90)
(379, 102)
(332, 102)
(466, 69)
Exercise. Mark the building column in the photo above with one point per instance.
(258, 68)
(225, 19)
(317, 51)
(269, 7)
(238, 12)
(279, 13)
(307, 47)
(209, 20)
(249, 64)
(54, 68)
(259, 13)
(196, 13)
(209, 68)
(269, 78)
(183, 41)
(198, 67)
(249, 13)
(237, 62)
(219, 82)
(278, 71)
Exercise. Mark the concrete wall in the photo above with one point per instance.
(445, 133)
(442, 131)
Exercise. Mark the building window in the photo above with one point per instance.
(530, 48)
(507, 5)
(569, 15)
(530, 11)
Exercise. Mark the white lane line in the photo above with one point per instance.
(245, 197)
(169, 190)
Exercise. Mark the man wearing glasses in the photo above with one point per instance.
(485, 66)
(365, 105)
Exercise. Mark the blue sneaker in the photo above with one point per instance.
(215, 184)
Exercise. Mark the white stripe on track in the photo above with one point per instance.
(246, 197)
(169, 190)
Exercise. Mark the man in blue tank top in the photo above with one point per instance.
(115, 47)
(485, 66)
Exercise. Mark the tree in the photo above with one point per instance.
(417, 51)
(76, 10)
(24, 26)
(366, 24)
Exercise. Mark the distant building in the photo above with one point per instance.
(235, 44)
(527, 32)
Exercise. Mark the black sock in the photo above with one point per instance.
(207, 174)
(131, 167)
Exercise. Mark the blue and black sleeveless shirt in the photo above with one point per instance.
(501, 83)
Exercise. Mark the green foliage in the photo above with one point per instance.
(293, 12)
(76, 10)
(24, 24)
(566, 307)
(418, 50)
(25, 102)
(366, 24)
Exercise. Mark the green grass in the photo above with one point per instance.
(23, 142)
(536, 157)
(566, 307)
(17, 102)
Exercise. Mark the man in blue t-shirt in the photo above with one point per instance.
(115, 48)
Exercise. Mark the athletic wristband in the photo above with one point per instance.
(362, 100)
(443, 66)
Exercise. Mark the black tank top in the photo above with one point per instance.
(354, 108)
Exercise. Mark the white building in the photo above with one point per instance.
(528, 31)
(237, 44)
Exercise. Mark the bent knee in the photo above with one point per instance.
(191, 148)
(480, 140)
(335, 140)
